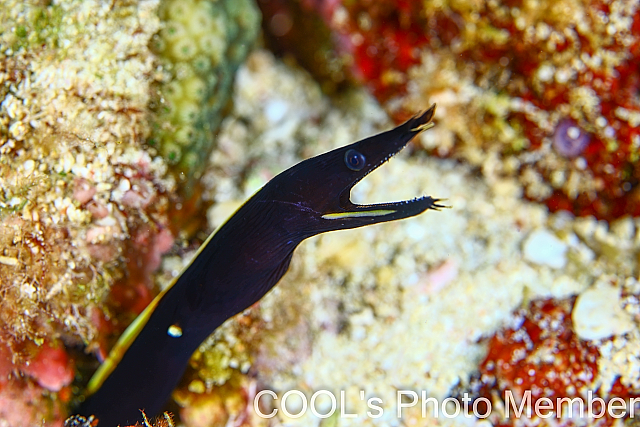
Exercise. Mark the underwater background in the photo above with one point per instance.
(129, 130)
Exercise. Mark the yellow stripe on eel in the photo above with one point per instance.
(379, 212)
(133, 330)
(125, 340)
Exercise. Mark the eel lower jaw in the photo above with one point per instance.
(382, 212)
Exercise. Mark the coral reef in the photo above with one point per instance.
(566, 348)
(546, 91)
(90, 94)
(425, 304)
(201, 45)
(542, 355)
(81, 198)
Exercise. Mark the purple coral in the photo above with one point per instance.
(570, 140)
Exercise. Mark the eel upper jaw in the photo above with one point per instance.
(382, 212)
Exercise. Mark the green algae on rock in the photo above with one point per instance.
(201, 46)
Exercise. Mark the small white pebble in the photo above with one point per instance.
(103, 186)
(598, 314)
(275, 110)
(545, 72)
(29, 290)
(14, 201)
(8, 260)
(124, 185)
(29, 166)
(544, 248)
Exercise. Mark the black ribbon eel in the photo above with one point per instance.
(238, 265)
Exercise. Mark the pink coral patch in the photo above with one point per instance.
(83, 191)
(152, 247)
(22, 404)
(51, 368)
(439, 277)
(97, 209)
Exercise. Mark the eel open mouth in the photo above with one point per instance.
(365, 156)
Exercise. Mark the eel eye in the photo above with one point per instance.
(354, 160)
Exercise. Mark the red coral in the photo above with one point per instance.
(376, 43)
(51, 367)
(388, 42)
(543, 354)
(612, 154)
(382, 40)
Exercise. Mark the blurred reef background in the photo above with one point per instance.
(129, 130)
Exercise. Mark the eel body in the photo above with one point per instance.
(238, 265)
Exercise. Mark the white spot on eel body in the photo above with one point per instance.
(174, 331)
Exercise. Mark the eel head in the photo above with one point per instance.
(320, 187)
